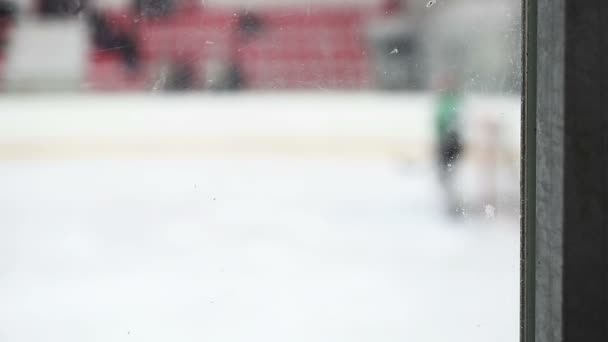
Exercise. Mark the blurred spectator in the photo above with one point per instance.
(235, 79)
(181, 77)
(154, 8)
(60, 8)
(107, 38)
(8, 11)
(249, 24)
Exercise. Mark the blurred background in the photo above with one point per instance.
(233, 170)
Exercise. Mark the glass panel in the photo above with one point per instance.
(268, 170)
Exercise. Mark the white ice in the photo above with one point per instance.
(245, 249)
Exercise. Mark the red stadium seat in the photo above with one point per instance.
(294, 49)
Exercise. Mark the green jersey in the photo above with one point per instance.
(447, 115)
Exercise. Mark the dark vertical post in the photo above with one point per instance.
(585, 308)
(571, 240)
(550, 176)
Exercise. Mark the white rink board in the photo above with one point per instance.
(349, 124)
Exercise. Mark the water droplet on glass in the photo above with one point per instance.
(490, 211)
(431, 3)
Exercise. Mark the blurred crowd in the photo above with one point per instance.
(184, 44)
(187, 44)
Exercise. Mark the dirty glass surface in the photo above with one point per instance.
(259, 170)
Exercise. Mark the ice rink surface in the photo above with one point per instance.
(245, 249)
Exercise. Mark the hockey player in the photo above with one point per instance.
(449, 139)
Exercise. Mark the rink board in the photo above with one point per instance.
(323, 125)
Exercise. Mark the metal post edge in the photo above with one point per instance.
(528, 172)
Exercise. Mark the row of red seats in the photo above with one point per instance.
(321, 48)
